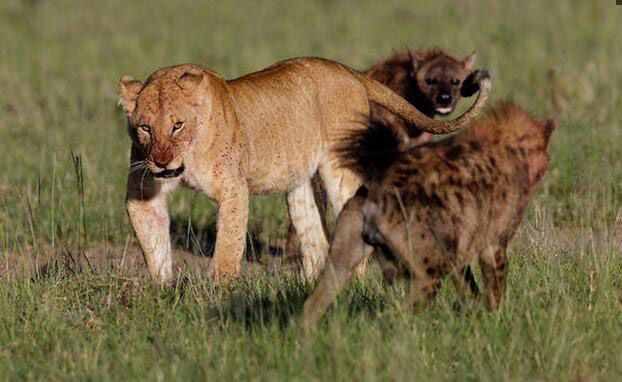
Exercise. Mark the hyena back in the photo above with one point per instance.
(433, 209)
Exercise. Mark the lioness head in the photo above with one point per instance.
(440, 77)
(164, 115)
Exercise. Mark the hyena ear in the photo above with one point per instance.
(128, 93)
(470, 85)
(413, 62)
(469, 61)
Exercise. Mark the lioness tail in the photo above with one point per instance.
(385, 97)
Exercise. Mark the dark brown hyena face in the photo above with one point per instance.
(440, 80)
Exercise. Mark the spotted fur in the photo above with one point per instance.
(435, 208)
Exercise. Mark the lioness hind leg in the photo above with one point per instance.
(340, 185)
(347, 250)
(306, 219)
(292, 252)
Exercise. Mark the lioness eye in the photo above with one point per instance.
(178, 126)
(430, 81)
(455, 82)
(145, 128)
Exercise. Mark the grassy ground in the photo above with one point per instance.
(74, 300)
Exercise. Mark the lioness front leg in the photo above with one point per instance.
(146, 207)
(231, 234)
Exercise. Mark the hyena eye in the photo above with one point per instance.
(145, 128)
(431, 81)
(455, 81)
(178, 126)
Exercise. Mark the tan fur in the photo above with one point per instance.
(266, 132)
(433, 209)
(407, 73)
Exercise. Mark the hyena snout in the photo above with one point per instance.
(444, 98)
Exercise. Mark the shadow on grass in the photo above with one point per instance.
(257, 303)
(277, 307)
(281, 303)
(200, 240)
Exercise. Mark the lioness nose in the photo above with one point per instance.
(444, 98)
(161, 164)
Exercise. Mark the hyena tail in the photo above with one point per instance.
(369, 152)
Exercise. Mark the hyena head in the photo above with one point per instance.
(440, 77)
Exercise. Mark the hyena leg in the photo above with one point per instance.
(146, 208)
(469, 278)
(305, 217)
(423, 288)
(347, 250)
(231, 234)
(387, 262)
(340, 185)
(464, 282)
(493, 262)
(425, 279)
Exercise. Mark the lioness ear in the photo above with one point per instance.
(469, 61)
(128, 92)
(189, 81)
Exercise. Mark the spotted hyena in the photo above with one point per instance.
(432, 209)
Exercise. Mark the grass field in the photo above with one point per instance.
(75, 302)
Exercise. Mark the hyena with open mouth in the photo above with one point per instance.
(432, 209)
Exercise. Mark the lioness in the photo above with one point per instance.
(266, 132)
(434, 208)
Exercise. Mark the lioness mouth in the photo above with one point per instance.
(170, 173)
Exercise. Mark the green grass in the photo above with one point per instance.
(74, 299)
